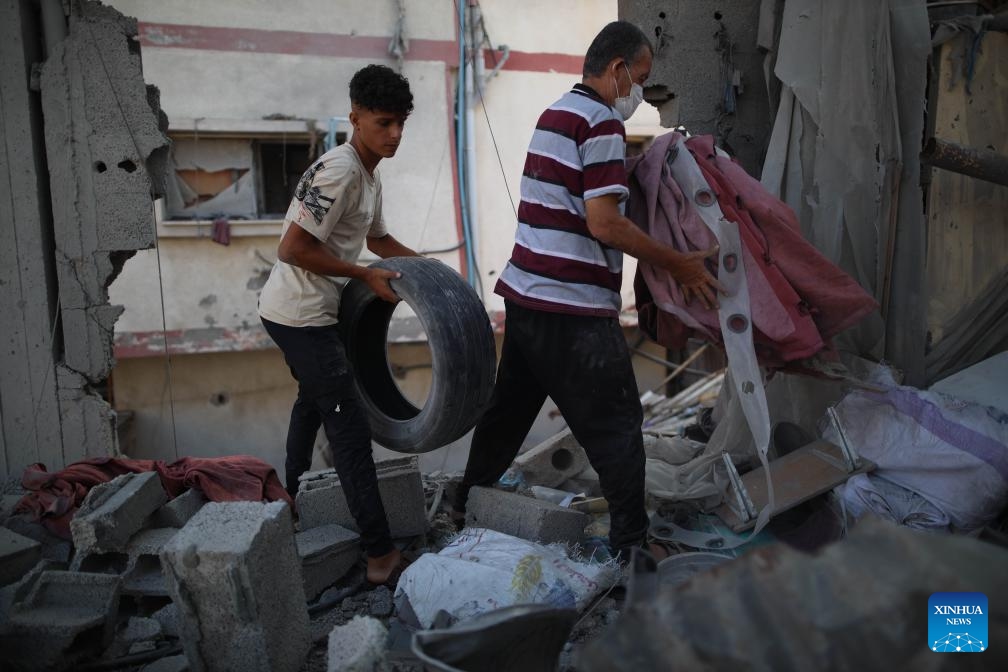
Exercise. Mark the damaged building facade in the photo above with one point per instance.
(250, 96)
(85, 155)
(183, 366)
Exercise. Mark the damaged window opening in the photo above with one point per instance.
(236, 178)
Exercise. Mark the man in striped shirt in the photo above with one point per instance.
(562, 288)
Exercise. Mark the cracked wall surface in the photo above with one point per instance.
(105, 150)
(707, 62)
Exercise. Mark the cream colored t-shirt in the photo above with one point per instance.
(340, 204)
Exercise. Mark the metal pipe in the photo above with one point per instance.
(982, 164)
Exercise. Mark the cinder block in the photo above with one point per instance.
(327, 553)
(53, 547)
(320, 499)
(358, 646)
(17, 592)
(525, 517)
(168, 617)
(553, 461)
(17, 555)
(168, 664)
(139, 563)
(115, 511)
(66, 616)
(7, 505)
(139, 629)
(179, 511)
(233, 572)
(144, 576)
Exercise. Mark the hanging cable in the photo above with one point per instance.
(157, 246)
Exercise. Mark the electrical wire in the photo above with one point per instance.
(157, 246)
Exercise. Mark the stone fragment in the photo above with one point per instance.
(525, 517)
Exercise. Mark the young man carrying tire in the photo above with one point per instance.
(337, 205)
(562, 336)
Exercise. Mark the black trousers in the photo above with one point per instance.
(583, 364)
(327, 397)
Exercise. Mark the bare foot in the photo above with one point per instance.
(658, 551)
(380, 569)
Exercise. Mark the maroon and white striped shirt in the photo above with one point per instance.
(576, 154)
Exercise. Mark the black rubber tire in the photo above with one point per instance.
(462, 349)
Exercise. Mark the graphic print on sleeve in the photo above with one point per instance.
(311, 196)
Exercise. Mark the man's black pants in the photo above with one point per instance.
(327, 397)
(583, 364)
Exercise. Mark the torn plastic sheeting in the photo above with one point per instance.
(844, 167)
(867, 493)
(483, 570)
(859, 604)
(951, 452)
(212, 155)
(236, 201)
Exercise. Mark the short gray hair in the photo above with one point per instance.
(619, 39)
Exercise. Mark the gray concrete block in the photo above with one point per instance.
(7, 504)
(53, 547)
(18, 555)
(179, 511)
(553, 461)
(358, 646)
(327, 553)
(234, 574)
(167, 664)
(320, 499)
(115, 511)
(66, 616)
(525, 517)
(168, 617)
(144, 576)
(139, 629)
(17, 592)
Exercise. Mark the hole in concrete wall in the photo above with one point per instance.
(100, 166)
(219, 399)
(133, 45)
(657, 31)
(717, 16)
(127, 165)
(105, 563)
(562, 459)
(661, 15)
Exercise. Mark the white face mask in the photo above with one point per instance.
(627, 105)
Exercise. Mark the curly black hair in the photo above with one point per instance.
(379, 87)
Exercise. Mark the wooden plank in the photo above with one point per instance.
(797, 477)
(967, 225)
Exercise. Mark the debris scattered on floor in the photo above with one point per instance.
(265, 590)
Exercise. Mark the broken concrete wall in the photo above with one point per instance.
(29, 410)
(104, 154)
(708, 70)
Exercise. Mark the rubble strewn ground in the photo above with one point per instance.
(199, 584)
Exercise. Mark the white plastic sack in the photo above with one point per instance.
(868, 493)
(952, 453)
(483, 570)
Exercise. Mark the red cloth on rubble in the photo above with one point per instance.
(798, 298)
(55, 497)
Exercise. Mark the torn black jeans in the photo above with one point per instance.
(328, 398)
(583, 364)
